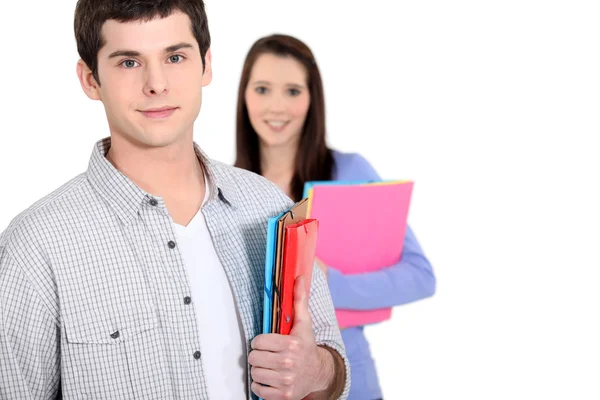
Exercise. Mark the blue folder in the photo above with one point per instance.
(270, 272)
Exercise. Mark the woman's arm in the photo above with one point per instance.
(409, 280)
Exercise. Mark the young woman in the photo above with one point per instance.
(281, 135)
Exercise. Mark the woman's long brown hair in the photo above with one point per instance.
(314, 160)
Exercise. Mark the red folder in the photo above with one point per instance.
(299, 245)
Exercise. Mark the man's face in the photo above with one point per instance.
(151, 79)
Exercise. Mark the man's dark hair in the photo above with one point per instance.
(90, 15)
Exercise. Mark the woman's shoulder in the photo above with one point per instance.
(352, 166)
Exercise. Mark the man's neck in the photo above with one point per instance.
(173, 173)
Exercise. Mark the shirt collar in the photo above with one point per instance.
(126, 198)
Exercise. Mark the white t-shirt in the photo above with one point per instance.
(221, 334)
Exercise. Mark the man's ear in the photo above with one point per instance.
(87, 80)
(207, 74)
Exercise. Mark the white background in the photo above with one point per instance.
(490, 106)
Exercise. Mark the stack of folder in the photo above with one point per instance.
(361, 229)
(291, 244)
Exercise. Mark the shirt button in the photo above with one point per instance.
(114, 335)
(171, 244)
(153, 202)
(197, 355)
(187, 300)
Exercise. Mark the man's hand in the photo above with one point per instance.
(292, 366)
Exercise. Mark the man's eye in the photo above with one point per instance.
(129, 64)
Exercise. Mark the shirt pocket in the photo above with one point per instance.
(116, 357)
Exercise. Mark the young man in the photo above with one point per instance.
(143, 277)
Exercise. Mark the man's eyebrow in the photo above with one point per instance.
(132, 53)
(178, 46)
(124, 53)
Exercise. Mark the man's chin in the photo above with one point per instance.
(158, 140)
(155, 139)
(149, 137)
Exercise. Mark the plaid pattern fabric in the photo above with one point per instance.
(92, 287)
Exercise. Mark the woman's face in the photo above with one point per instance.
(277, 98)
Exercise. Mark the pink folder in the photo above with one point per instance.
(361, 229)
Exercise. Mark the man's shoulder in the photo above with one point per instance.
(30, 224)
(250, 189)
(230, 173)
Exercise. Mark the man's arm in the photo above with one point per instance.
(333, 373)
(328, 337)
(29, 338)
(310, 361)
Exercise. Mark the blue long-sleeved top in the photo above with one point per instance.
(409, 280)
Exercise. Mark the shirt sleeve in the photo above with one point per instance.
(325, 326)
(29, 338)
